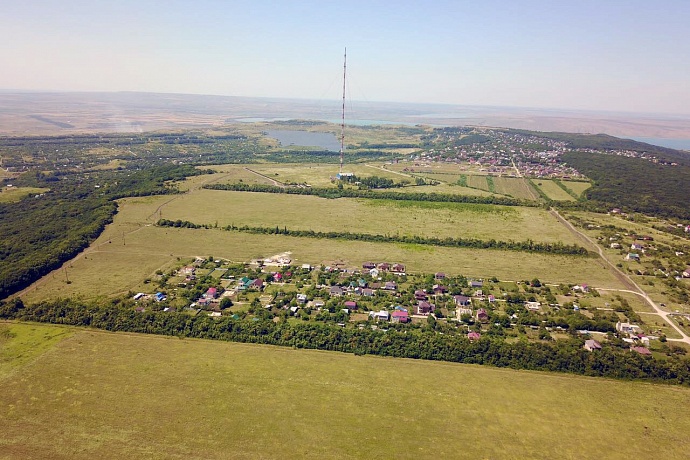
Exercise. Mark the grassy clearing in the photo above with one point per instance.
(552, 190)
(658, 326)
(577, 186)
(13, 194)
(103, 395)
(22, 343)
(637, 303)
(5, 174)
(368, 216)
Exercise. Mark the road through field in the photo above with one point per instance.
(624, 278)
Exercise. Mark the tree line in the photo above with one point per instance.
(559, 356)
(333, 192)
(528, 245)
(635, 184)
(39, 234)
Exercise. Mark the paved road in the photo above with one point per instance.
(635, 288)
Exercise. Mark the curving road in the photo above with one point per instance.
(635, 288)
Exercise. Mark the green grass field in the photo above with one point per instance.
(105, 395)
(477, 181)
(577, 187)
(11, 194)
(368, 216)
(552, 190)
(450, 189)
(20, 344)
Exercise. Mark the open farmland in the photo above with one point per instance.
(171, 398)
(132, 249)
(552, 190)
(514, 186)
(477, 181)
(368, 216)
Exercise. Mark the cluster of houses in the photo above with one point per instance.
(632, 334)
(368, 286)
(375, 269)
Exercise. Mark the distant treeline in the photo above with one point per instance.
(560, 356)
(635, 184)
(333, 192)
(37, 235)
(373, 182)
(529, 245)
(291, 155)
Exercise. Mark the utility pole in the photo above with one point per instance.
(342, 124)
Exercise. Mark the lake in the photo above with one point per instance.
(679, 144)
(327, 141)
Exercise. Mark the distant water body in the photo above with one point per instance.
(678, 144)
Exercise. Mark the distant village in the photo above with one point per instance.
(382, 295)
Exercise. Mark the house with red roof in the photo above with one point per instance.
(400, 316)
(473, 335)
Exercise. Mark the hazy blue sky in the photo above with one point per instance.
(619, 55)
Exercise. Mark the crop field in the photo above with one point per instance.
(368, 216)
(477, 181)
(577, 186)
(170, 398)
(552, 190)
(515, 187)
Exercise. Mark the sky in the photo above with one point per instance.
(609, 55)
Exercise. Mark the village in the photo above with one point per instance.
(382, 295)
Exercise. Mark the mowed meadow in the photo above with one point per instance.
(429, 219)
(92, 394)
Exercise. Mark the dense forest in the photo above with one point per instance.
(40, 233)
(635, 184)
(560, 356)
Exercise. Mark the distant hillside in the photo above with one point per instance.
(606, 142)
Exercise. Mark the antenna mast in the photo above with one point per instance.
(342, 124)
